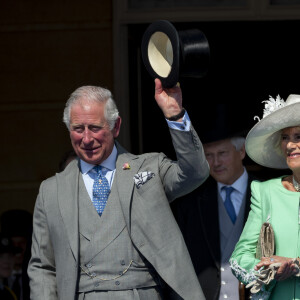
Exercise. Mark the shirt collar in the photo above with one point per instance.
(109, 163)
(239, 185)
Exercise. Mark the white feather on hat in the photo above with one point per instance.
(263, 140)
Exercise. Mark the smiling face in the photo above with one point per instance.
(91, 137)
(225, 161)
(290, 147)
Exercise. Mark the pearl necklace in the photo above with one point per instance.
(296, 185)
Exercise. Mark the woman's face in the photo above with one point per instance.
(290, 146)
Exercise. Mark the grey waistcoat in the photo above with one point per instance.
(108, 258)
(229, 236)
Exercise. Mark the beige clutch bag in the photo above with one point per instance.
(265, 247)
(266, 242)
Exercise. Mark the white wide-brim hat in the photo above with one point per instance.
(263, 140)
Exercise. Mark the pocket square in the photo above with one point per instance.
(142, 177)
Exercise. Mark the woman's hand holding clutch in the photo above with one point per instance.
(287, 268)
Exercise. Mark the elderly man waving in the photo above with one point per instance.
(103, 228)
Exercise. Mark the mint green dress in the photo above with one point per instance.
(270, 202)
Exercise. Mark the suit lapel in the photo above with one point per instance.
(124, 182)
(67, 191)
(208, 207)
(248, 197)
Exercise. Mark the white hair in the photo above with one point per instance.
(238, 142)
(86, 94)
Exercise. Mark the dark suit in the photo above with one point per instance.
(198, 219)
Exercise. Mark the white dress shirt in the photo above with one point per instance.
(89, 174)
(240, 189)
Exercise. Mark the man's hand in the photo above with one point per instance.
(169, 100)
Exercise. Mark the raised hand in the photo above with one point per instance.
(169, 100)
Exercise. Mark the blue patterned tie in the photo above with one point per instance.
(228, 203)
(101, 191)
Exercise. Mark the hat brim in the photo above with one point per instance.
(162, 28)
(263, 140)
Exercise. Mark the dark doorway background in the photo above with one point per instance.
(250, 60)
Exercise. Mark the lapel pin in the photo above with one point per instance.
(126, 166)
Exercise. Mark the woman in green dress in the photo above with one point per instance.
(274, 142)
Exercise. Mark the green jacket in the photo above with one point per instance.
(270, 202)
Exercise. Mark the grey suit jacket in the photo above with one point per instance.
(54, 267)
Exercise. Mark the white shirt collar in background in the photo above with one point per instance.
(240, 189)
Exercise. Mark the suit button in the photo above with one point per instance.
(89, 265)
(122, 262)
(117, 282)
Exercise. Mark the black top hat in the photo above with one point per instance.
(168, 54)
(223, 123)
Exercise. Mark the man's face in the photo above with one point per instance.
(90, 134)
(225, 161)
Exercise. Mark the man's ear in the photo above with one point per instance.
(116, 129)
(242, 152)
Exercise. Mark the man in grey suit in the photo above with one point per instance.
(132, 248)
